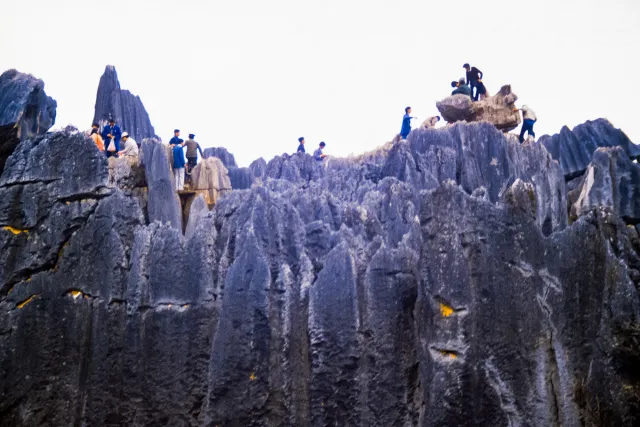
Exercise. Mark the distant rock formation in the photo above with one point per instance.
(574, 148)
(126, 108)
(25, 111)
(497, 109)
(241, 178)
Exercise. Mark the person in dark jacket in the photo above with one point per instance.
(473, 75)
(111, 134)
(176, 138)
(301, 146)
(460, 88)
(178, 165)
(406, 123)
(318, 154)
(192, 152)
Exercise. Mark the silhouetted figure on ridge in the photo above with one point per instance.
(301, 146)
(473, 77)
(318, 154)
(406, 123)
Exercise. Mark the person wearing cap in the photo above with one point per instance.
(301, 146)
(111, 134)
(95, 136)
(176, 140)
(529, 118)
(406, 123)
(318, 154)
(460, 88)
(473, 76)
(178, 165)
(130, 146)
(192, 152)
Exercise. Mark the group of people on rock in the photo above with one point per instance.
(177, 144)
(472, 87)
(110, 138)
(318, 155)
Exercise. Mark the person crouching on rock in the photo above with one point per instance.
(178, 165)
(111, 135)
(318, 154)
(130, 146)
(431, 122)
(460, 88)
(97, 138)
(528, 120)
(192, 153)
(405, 130)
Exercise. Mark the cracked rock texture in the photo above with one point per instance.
(431, 282)
(123, 106)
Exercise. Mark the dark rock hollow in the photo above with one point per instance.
(431, 282)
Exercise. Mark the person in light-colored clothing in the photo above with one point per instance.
(430, 122)
(528, 120)
(130, 146)
(97, 139)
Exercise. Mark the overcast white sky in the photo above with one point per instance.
(253, 76)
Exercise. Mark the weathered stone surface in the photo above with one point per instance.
(574, 148)
(163, 202)
(210, 178)
(497, 109)
(612, 181)
(412, 285)
(25, 111)
(123, 106)
(227, 158)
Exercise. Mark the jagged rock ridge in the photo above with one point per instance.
(127, 109)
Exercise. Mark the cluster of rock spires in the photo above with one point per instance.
(435, 281)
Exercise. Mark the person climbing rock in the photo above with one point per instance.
(111, 135)
(97, 139)
(176, 138)
(130, 146)
(430, 122)
(178, 165)
(318, 154)
(473, 75)
(301, 146)
(406, 123)
(460, 88)
(192, 153)
(528, 120)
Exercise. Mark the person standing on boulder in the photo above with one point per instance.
(176, 140)
(178, 165)
(473, 76)
(318, 154)
(406, 123)
(192, 152)
(111, 135)
(97, 139)
(301, 146)
(528, 120)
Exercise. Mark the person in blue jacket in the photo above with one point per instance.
(406, 123)
(176, 138)
(111, 134)
(178, 165)
(301, 146)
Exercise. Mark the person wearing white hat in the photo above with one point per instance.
(130, 146)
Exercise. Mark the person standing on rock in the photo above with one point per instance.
(178, 165)
(318, 154)
(406, 123)
(301, 146)
(460, 88)
(176, 140)
(528, 120)
(130, 146)
(473, 76)
(97, 139)
(111, 135)
(192, 153)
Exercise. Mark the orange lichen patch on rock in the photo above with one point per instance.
(27, 301)
(14, 230)
(253, 377)
(445, 310)
(75, 294)
(450, 354)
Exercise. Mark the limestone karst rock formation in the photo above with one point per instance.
(25, 110)
(241, 178)
(497, 109)
(126, 108)
(210, 178)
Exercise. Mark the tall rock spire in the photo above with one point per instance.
(126, 108)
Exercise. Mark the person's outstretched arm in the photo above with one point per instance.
(200, 151)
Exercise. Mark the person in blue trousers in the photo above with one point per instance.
(406, 123)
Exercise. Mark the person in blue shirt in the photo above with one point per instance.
(318, 154)
(111, 134)
(178, 165)
(406, 123)
(176, 138)
(301, 146)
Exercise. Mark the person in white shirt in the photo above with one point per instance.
(130, 146)
(528, 120)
